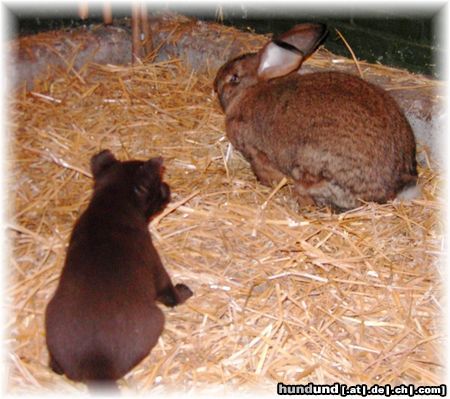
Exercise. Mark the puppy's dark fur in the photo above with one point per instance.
(103, 319)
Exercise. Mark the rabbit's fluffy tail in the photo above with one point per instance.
(410, 193)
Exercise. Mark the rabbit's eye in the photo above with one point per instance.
(234, 79)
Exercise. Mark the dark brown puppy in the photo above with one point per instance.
(103, 319)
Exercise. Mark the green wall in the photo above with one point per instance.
(404, 39)
(403, 42)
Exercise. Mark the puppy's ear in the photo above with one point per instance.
(156, 164)
(101, 161)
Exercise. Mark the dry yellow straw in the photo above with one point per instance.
(351, 52)
(280, 293)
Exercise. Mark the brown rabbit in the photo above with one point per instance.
(339, 138)
(103, 319)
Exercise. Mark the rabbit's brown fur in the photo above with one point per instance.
(103, 318)
(340, 138)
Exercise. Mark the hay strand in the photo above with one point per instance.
(351, 52)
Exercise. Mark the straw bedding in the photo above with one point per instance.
(280, 294)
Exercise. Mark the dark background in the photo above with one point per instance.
(408, 39)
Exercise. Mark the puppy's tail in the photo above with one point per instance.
(103, 388)
(100, 376)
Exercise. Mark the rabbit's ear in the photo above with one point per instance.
(286, 53)
(304, 37)
(276, 61)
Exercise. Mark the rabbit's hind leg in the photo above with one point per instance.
(325, 193)
(302, 195)
(264, 169)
